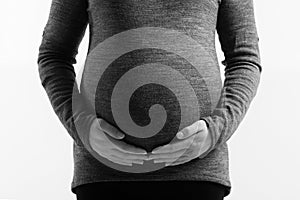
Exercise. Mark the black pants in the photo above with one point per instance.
(202, 190)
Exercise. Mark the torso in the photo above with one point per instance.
(152, 67)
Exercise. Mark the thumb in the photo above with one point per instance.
(191, 130)
(109, 129)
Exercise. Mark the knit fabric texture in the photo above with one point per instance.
(184, 42)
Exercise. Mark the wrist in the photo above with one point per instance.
(207, 144)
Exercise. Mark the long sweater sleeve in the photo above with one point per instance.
(238, 37)
(62, 35)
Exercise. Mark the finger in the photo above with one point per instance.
(138, 162)
(112, 150)
(175, 163)
(124, 155)
(110, 130)
(114, 159)
(173, 147)
(175, 154)
(127, 148)
(179, 161)
(166, 160)
(183, 159)
(190, 130)
(119, 161)
(126, 160)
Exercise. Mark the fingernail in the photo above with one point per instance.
(179, 135)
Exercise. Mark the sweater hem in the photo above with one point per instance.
(223, 182)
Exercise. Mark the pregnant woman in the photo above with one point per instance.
(151, 116)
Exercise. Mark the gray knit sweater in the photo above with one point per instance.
(158, 52)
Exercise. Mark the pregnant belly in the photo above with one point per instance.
(148, 87)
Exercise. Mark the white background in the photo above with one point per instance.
(36, 151)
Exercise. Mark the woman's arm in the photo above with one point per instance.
(62, 35)
(238, 37)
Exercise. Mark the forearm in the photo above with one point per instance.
(61, 38)
(239, 42)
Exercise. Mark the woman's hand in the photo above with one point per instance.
(109, 145)
(194, 141)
